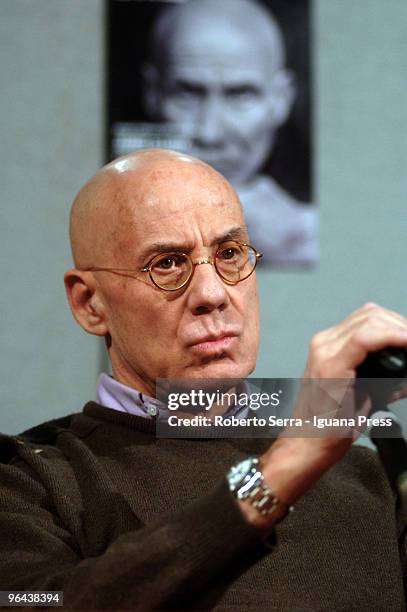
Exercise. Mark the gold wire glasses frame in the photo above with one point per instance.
(233, 261)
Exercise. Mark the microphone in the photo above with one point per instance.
(390, 362)
(389, 365)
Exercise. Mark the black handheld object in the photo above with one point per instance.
(381, 374)
(391, 364)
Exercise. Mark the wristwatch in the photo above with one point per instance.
(247, 482)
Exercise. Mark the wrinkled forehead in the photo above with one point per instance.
(191, 208)
(239, 33)
(212, 44)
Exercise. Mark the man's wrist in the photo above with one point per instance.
(259, 503)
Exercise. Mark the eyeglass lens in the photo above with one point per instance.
(233, 262)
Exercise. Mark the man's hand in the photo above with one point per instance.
(293, 465)
(337, 351)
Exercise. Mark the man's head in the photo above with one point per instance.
(217, 71)
(135, 208)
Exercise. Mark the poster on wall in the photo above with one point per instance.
(230, 83)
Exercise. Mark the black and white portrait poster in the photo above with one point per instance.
(228, 82)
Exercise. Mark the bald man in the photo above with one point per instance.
(95, 505)
(217, 73)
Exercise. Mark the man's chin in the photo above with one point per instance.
(215, 375)
(211, 377)
(228, 167)
(222, 368)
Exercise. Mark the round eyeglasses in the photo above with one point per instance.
(233, 261)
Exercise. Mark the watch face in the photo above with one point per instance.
(237, 473)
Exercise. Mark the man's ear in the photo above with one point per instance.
(86, 305)
(151, 90)
(282, 95)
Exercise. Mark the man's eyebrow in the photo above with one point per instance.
(155, 248)
(242, 87)
(236, 233)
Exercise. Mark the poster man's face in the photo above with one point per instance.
(225, 98)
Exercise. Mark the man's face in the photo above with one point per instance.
(208, 329)
(217, 87)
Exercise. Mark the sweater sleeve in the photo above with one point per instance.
(184, 561)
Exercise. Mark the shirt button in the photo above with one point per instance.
(152, 410)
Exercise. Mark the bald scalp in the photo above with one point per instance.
(106, 203)
(248, 17)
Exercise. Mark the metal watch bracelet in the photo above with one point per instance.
(246, 481)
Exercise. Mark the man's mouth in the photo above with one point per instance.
(214, 344)
(220, 163)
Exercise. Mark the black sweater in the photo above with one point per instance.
(96, 506)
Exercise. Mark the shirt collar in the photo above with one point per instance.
(116, 395)
(113, 394)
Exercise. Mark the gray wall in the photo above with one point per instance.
(361, 177)
(52, 129)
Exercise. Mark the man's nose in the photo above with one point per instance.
(207, 291)
(209, 125)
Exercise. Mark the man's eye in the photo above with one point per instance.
(188, 91)
(229, 253)
(242, 94)
(166, 263)
(169, 263)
